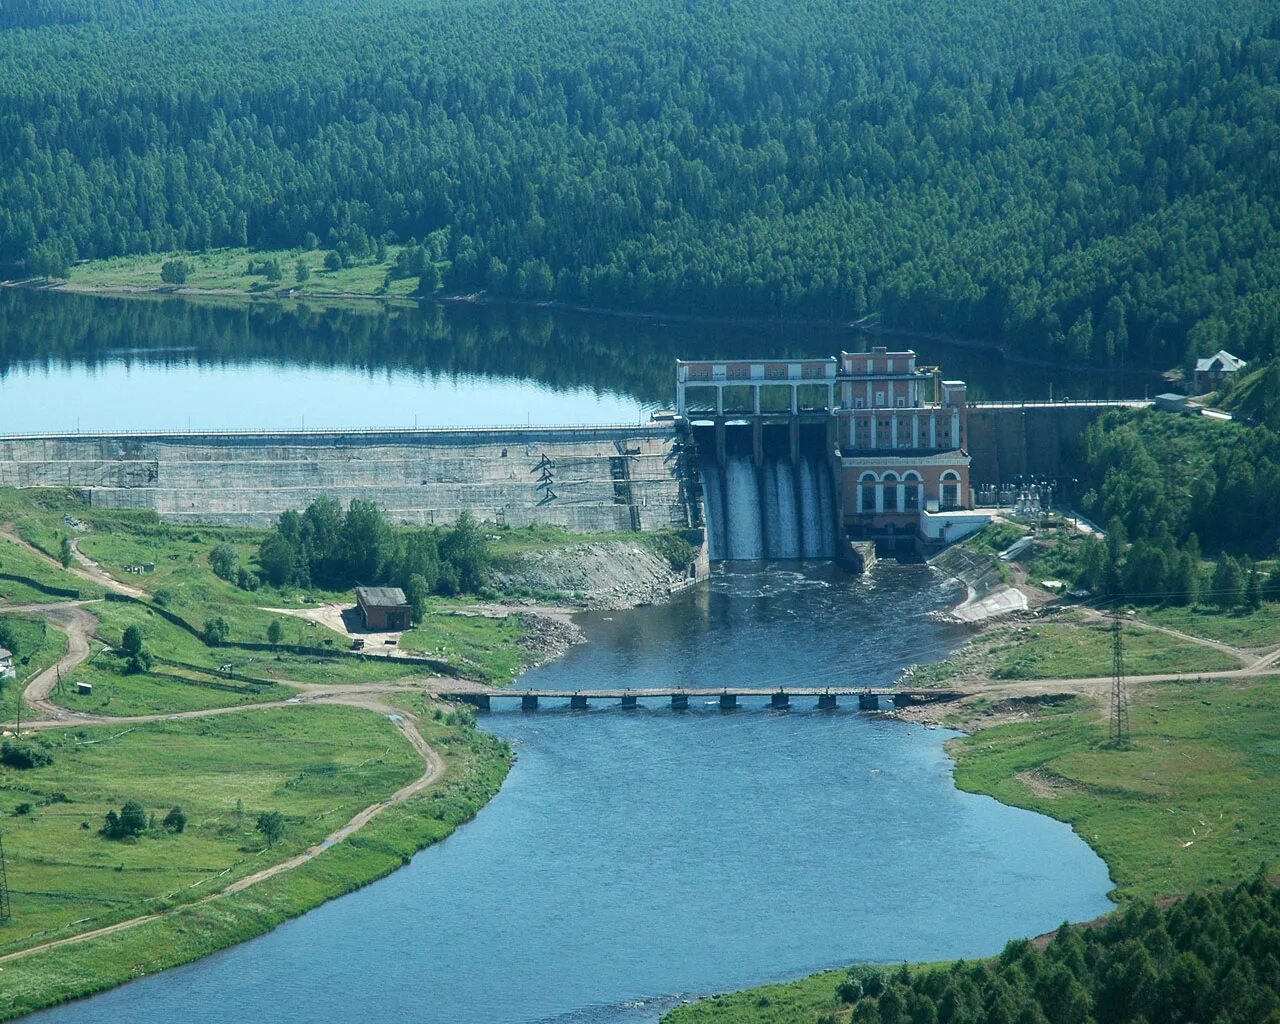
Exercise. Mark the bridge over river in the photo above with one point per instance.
(827, 697)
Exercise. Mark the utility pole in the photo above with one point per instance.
(1119, 698)
(4, 885)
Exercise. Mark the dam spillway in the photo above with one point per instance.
(776, 510)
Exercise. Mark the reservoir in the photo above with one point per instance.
(633, 859)
(73, 362)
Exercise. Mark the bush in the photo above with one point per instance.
(215, 631)
(224, 561)
(23, 754)
(175, 271)
(175, 821)
(130, 823)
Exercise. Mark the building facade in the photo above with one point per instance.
(902, 435)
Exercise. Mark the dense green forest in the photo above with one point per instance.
(1173, 490)
(1094, 180)
(1209, 957)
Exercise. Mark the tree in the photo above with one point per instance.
(430, 280)
(130, 823)
(9, 638)
(1228, 583)
(224, 561)
(175, 821)
(301, 272)
(133, 647)
(215, 631)
(366, 542)
(275, 633)
(466, 550)
(332, 260)
(175, 271)
(271, 825)
(65, 552)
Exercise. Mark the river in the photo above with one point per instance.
(633, 859)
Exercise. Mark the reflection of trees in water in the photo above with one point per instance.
(558, 349)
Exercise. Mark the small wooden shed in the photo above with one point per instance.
(384, 608)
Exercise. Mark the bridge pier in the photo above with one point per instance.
(827, 702)
(868, 702)
(679, 702)
(728, 701)
(528, 703)
(757, 440)
(780, 701)
(630, 703)
(578, 702)
(479, 701)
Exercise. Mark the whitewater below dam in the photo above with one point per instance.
(779, 510)
(633, 859)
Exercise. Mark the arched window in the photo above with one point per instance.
(911, 492)
(867, 492)
(891, 492)
(950, 496)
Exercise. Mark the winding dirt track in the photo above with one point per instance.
(80, 624)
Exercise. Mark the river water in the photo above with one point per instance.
(636, 858)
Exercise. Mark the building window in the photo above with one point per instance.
(879, 398)
(857, 404)
(891, 493)
(911, 494)
(950, 496)
(902, 402)
(869, 497)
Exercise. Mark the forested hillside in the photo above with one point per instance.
(1094, 180)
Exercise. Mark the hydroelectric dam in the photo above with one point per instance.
(772, 458)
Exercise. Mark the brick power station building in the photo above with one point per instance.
(896, 432)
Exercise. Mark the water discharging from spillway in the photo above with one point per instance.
(777, 510)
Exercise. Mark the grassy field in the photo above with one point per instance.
(481, 647)
(18, 560)
(39, 646)
(227, 270)
(476, 764)
(1053, 651)
(1192, 802)
(316, 765)
(1240, 629)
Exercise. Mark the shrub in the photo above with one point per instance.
(130, 823)
(224, 561)
(21, 754)
(215, 631)
(175, 271)
(175, 821)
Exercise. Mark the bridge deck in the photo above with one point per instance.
(720, 691)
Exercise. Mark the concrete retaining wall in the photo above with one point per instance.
(590, 479)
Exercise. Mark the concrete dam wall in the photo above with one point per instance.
(1034, 439)
(588, 479)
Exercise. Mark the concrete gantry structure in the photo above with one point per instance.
(759, 393)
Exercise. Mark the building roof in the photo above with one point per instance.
(5, 653)
(1221, 361)
(381, 597)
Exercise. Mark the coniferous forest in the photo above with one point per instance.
(1094, 181)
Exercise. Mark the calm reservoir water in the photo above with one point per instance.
(70, 362)
(635, 858)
